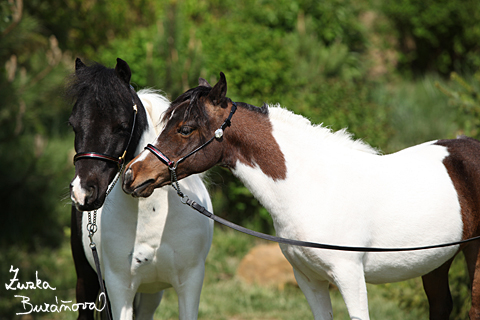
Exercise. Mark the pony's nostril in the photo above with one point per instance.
(128, 180)
(90, 194)
(128, 176)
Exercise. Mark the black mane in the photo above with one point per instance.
(263, 109)
(99, 83)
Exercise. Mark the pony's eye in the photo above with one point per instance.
(185, 130)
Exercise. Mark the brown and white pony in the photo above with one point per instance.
(323, 186)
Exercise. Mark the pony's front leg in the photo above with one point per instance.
(350, 280)
(146, 304)
(317, 294)
(121, 295)
(87, 286)
(188, 291)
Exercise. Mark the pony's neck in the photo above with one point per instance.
(251, 143)
(154, 105)
(274, 153)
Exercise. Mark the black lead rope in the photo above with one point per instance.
(268, 237)
(100, 281)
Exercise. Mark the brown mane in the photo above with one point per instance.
(195, 110)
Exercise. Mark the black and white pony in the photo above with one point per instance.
(145, 245)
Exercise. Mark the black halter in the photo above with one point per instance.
(100, 156)
(218, 135)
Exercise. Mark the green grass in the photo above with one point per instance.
(226, 297)
(54, 266)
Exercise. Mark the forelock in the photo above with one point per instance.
(190, 106)
(99, 83)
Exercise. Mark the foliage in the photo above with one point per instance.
(33, 165)
(419, 112)
(84, 26)
(343, 104)
(166, 55)
(255, 68)
(465, 96)
(35, 174)
(333, 21)
(436, 35)
(54, 266)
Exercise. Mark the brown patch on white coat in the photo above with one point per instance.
(463, 168)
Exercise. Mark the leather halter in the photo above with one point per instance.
(172, 165)
(100, 156)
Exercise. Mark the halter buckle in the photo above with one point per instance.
(219, 134)
(122, 158)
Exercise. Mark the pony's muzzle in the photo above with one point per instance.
(127, 180)
(84, 198)
(135, 188)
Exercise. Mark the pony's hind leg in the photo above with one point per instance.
(473, 264)
(145, 305)
(438, 293)
(317, 295)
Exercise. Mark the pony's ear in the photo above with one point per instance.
(79, 64)
(218, 92)
(203, 83)
(123, 70)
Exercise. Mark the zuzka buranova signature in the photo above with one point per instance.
(58, 306)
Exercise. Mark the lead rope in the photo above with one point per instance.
(176, 185)
(92, 229)
(201, 209)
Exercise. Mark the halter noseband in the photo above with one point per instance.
(100, 156)
(172, 165)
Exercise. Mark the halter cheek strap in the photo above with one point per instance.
(218, 135)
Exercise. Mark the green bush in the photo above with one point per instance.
(34, 166)
(464, 95)
(419, 112)
(252, 57)
(436, 35)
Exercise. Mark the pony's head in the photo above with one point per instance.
(190, 122)
(107, 128)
